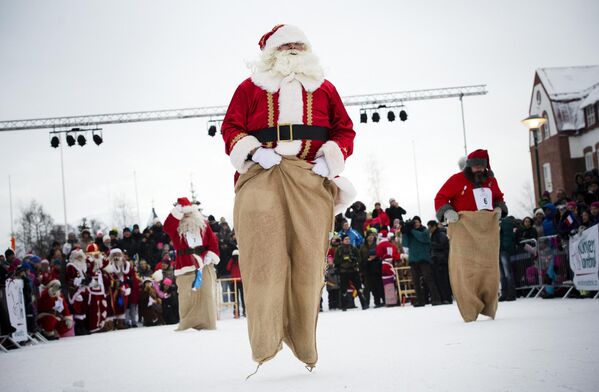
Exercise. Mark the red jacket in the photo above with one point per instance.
(253, 108)
(187, 263)
(387, 250)
(457, 193)
(233, 268)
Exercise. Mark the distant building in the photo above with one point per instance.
(568, 97)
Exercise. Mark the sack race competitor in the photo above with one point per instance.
(197, 253)
(288, 135)
(472, 204)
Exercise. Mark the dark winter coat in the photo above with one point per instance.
(419, 244)
(507, 240)
(395, 213)
(369, 267)
(357, 214)
(439, 247)
(346, 259)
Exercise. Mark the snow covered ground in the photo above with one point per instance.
(533, 345)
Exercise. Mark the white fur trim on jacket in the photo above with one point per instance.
(285, 35)
(291, 111)
(271, 81)
(211, 258)
(334, 157)
(240, 153)
(184, 270)
(345, 196)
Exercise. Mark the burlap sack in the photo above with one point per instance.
(474, 263)
(282, 218)
(197, 309)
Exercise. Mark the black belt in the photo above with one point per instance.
(190, 251)
(289, 132)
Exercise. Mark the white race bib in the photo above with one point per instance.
(483, 198)
(193, 240)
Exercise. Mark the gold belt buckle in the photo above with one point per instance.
(279, 133)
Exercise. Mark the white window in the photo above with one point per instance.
(590, 110)
(546, 132)
(588, 160)
(547, 177)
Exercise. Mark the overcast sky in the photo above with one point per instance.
(63, 58)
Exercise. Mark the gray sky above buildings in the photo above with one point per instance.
(69, 58)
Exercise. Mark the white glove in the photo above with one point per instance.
(320, 167)
(498, 210)
(77, 281)
(68, 321)
(451, 216)
(58, 306)
(266, 157)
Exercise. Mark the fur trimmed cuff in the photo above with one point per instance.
(441, 212)
(240, 153)
(211, 258)
(177, 213)
(346, 194)
(503, 206)
(334, 157)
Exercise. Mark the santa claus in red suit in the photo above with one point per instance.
(44, 275)
(97, 304)
(76, 274)
(120, 286)
(475, 188)
(197, 251)
(288, 135)
(53, 317)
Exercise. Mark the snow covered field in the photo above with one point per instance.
(534, 345)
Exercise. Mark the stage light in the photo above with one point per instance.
(212, 130)
(375, 117)
(81, 140)
(70, 140)
(391, 116)
(55, 141)
(363, 117)
(97, 139)
(403, 116)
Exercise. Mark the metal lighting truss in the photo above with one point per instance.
(217, 112)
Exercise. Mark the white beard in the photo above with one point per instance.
(287, 62)
(194, 224)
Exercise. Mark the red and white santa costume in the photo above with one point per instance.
(459, 193)
(121, 285)
(53, 317)
(197, 252)
(76, 274)
(97, 304)
(283, 214)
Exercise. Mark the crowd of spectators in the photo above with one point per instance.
(367, 252)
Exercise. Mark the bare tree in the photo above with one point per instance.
(373, 169)
(36, 230)
(122, 214)
(93, 225)
(526, 202)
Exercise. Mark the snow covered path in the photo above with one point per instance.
(534, 345)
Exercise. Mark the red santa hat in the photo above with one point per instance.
(185, 204)
(92, 248)
(280, 35)
(478, 157)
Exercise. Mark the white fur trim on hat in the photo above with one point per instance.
(334, 157)
(236, 252)
(285, 35)
(157, 276)
(345, 196)
(240, 153)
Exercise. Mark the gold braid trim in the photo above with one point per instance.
(237, 138)
(307, 143)
(271, 115)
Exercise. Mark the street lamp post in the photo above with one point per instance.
(534, 124)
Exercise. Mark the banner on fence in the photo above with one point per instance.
(583, 259)
(15, 302)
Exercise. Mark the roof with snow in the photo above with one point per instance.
(565, 83)
(570, 90)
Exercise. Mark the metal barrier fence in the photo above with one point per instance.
(543, 265)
